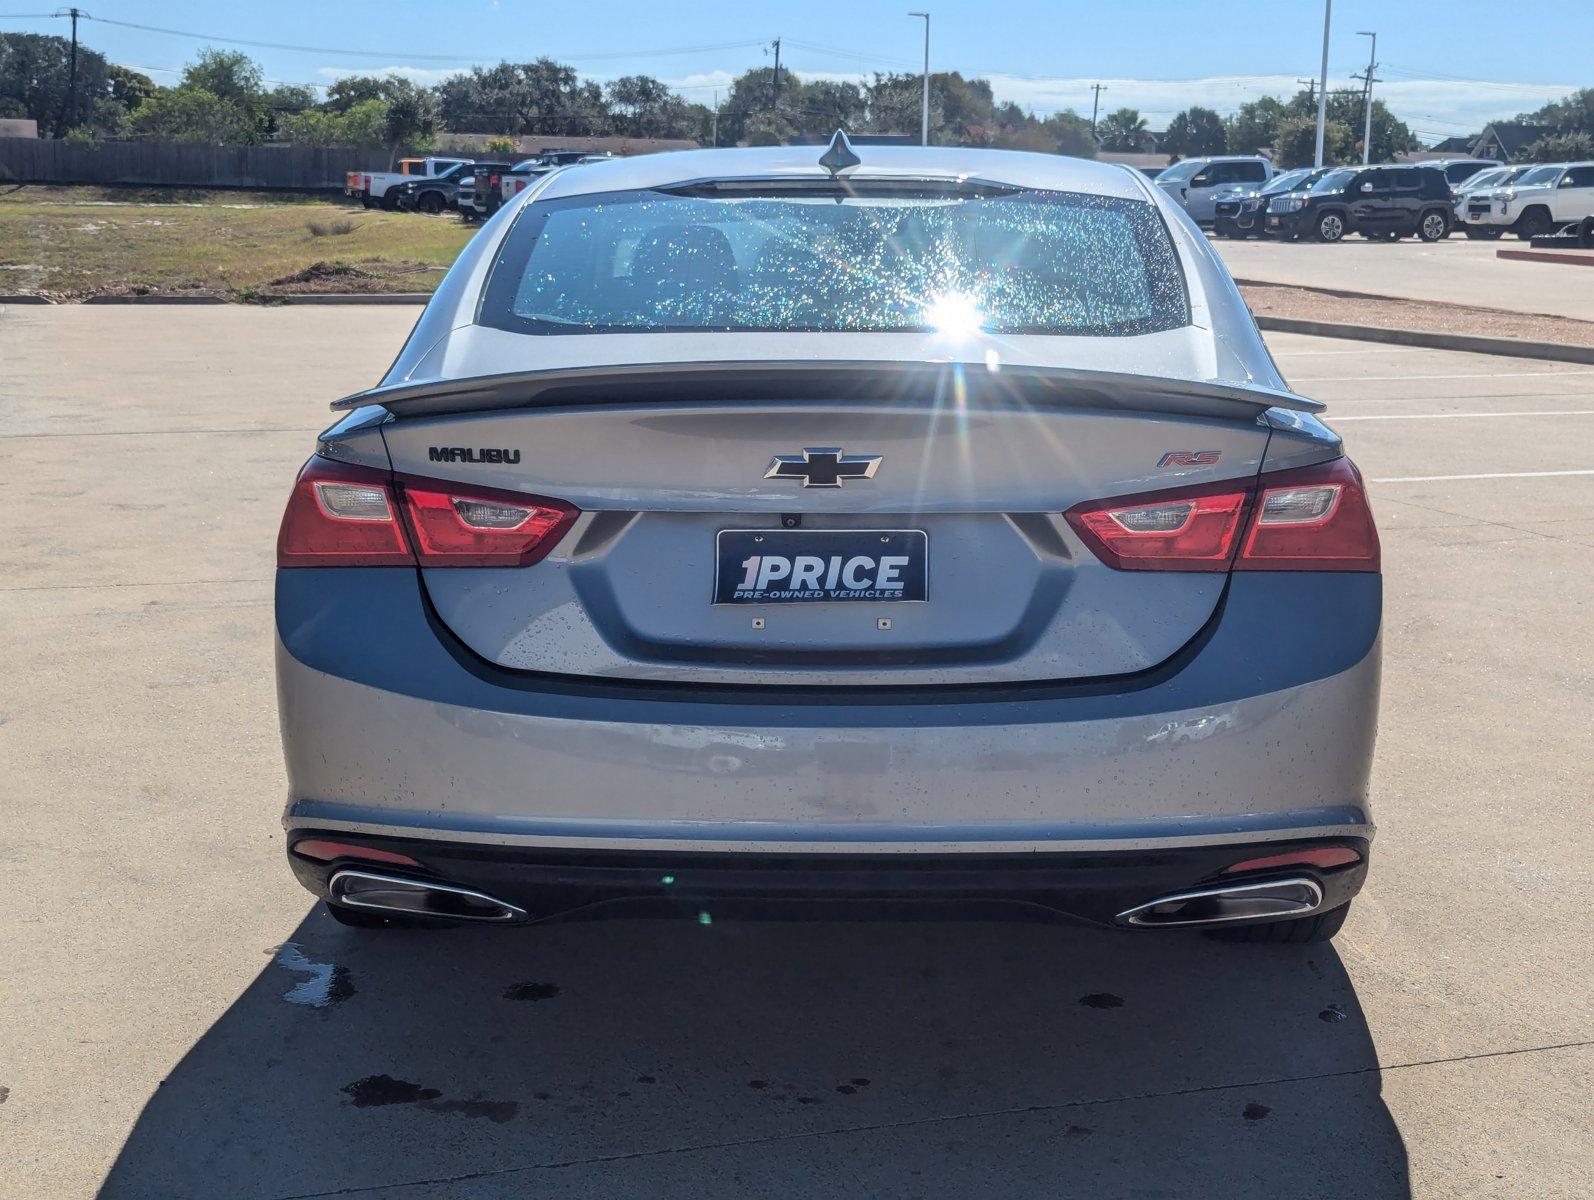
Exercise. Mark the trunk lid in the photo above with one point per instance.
(971, 468)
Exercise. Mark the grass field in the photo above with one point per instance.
(72, 243)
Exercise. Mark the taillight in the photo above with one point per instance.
(1312, 519)
(342, 516)
(347, 516)
(481, 527)
(1186, 529)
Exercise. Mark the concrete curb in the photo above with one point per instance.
(26, 299)
(1507, 347)
(155, 300)
(349, 298)
(1570, 257)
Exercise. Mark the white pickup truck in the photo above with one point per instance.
(1543, 200)
(371, 187)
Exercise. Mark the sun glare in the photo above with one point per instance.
(954, 316)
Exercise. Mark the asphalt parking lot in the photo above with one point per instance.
(178, 1019)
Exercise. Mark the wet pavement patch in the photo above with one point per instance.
(378, 1091)
(531, 991)
(328, 983)
(1255, 1112)
(374, 1091)
(1102, 1000)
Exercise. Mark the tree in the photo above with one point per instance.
(1122, 130)
(410, 120)
(1254, 126)
(1296, 143)
(828, 105)
(536, 97)
(229, 75)
(363, 124)
(1195, 131)
(1560, 148)
(189, 114)
(129, 88)
(1573, 113)
(355, 89)
(1070, 133)
(35, 81)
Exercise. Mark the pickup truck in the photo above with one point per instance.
(1545, 199)
(371, 187)
(521, 175)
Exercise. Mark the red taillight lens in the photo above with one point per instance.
(1312, 519)
(325, 851)
(341, 516)
(481, 527)
(1188, 529)
(1320, 856)
(346, 516)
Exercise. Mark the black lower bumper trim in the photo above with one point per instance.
(1087, 886)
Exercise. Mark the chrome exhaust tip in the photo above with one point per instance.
(420, 898)
(1226, 905)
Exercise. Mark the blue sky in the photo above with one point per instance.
(1448, 67)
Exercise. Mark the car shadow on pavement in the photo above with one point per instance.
(706, 1057)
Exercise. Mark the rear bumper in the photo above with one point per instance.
(1095, 888)
(1261, 730)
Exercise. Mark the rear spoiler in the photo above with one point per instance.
(866, 380)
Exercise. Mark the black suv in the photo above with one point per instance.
(1382, 203)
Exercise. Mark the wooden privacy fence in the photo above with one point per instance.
(181, 164)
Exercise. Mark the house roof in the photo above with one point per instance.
(1515, 137)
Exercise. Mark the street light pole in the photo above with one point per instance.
(1372, 61)
(924, 115)
(1322, 88)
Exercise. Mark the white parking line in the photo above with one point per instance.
(1548, 412)
(1551, 374)
(1496, 475)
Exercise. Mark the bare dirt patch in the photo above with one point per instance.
(1311, 304)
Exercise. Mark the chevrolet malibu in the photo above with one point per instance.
(807, 525)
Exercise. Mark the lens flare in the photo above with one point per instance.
(955, 316)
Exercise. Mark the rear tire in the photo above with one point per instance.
(1302, 931)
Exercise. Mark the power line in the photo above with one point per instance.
(705, 48)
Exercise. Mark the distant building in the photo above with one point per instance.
(1140, 162)
(1454, 147)
(19, 127)
(1506, 140)
(857, 139)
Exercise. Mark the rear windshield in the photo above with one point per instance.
(841, 261)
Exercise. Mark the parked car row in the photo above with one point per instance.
(434, 185)
(1242, 197)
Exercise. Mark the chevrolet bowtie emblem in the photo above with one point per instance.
(823, 467)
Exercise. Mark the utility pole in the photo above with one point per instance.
(714, 138)
(1095, 104)
(68, 111)
(1311, 90)
(924, 105)
(1372, 62)
(775, 104)
(1322, 90)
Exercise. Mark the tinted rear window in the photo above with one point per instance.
(843, 261)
